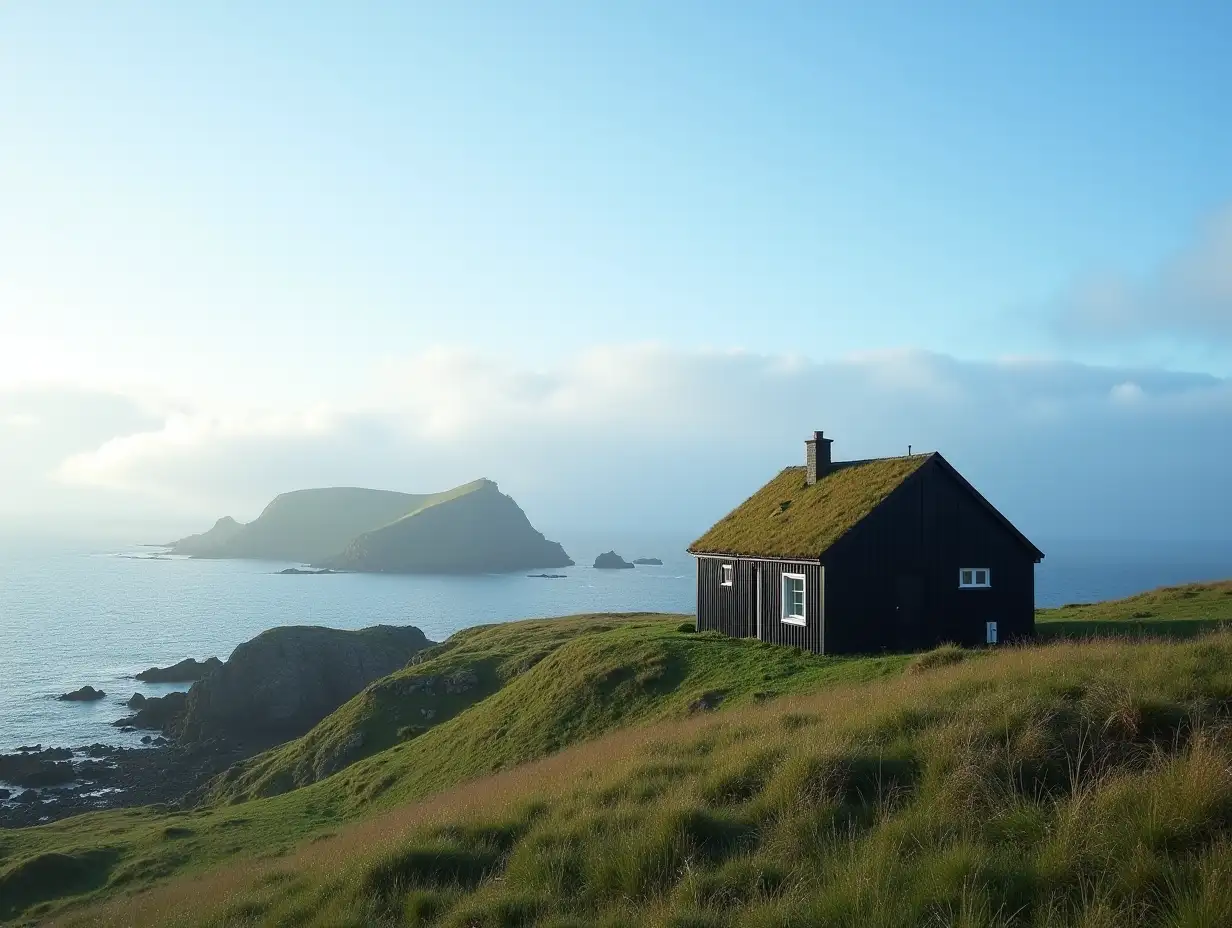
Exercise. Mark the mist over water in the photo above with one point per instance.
(81, 614)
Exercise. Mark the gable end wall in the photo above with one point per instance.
(921, 535)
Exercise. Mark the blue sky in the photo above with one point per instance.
(261, 222)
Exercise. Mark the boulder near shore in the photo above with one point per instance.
(85, 694)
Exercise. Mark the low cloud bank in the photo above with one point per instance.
(645, 437)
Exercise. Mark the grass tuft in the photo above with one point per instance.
(944, 656)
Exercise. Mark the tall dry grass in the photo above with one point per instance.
(1072, 784)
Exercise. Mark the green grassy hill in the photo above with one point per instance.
(530, 688)
(1170, 611)
(539, 686)
(1079, 783)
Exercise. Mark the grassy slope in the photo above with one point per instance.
(499, 653)
(1171, 611)
(579, 677)
(599, 672)
(1084, 784)
(555, 681)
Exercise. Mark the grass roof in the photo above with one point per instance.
(788, 518)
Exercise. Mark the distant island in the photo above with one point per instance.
(647, 562)
(610, 560)
(473, 528)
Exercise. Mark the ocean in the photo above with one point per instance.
(72, 615)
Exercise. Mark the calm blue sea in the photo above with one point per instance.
(72, 615)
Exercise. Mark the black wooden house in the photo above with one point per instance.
(864, 556)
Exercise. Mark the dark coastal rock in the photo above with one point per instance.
(85, 694)
(130, 777)
(30, 747)
(186, 671)
(98, 750)
(95, 770)
(610, 560)
(4, 794)
(547, 576)
(284, 681)
(42, 768)
(296, 570)
(135, 701)
(648, 561)
(158, 713)
(27, 796)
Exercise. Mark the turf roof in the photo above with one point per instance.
(787, 518)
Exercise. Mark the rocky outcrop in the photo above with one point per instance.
(85, 694)
(474, 528)
(647, 562)
(155, 713)
(189, 670)
(610, 560)
(284, 681)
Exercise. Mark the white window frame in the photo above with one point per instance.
(726, 574)
(792, 618)
(963, 584)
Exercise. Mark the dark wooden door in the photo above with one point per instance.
(909, 631)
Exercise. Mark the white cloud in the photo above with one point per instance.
(20, 420)
(1127, 392)
(643, 435)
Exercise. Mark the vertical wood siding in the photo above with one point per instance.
(733, 610)
(773, 628)
(727, 609)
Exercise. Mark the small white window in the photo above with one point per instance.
(974, 577)
(793, 599)
(727, 575)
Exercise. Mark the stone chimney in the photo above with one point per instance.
(816, 457)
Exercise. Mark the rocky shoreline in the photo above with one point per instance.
(272, 688)
(101, 776)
